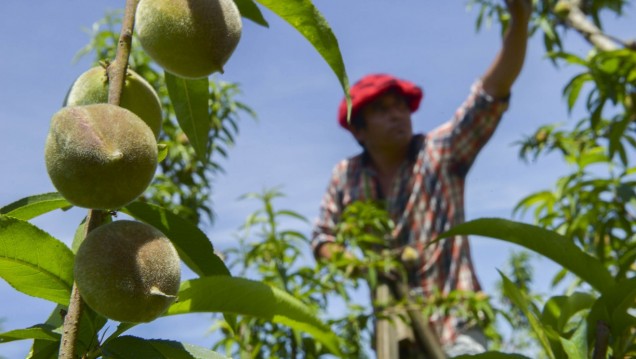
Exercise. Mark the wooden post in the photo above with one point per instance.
(386, 345)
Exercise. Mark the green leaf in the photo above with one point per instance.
(133, 347)
(44, 349)
(33, 206)
(576, 347)
(162, 150)
(559, 309)
(547, 243)
(305, 17)
(190, 101)
(516, 296)
(573, 88)
(40, 331)
(592, 156)
(618, 301)
(249, 10)
(569, 58)
(33, 262)
(224, 294)
(492, 355)
(194, 247)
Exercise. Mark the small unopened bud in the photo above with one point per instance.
(562, 8)
(409, 256)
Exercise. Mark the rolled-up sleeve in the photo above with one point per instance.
(330, 210)
(460, 139)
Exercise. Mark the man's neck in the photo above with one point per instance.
(387, 162)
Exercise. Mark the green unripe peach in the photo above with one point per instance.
(189, 38)
(127, 271)
(138, 96)
(100, 156)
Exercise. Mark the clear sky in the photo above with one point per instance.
(296, 140)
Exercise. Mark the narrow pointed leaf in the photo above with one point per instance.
(224, 294)
(520, 301)
(306, 19)
(40, 331)
(547, 243)
(249, 10)
(129, 347)
(194, 247)
(190, 101)
(558, 310)
(492, 355)
(33, 262)
(33, 206)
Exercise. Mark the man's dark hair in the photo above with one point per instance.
(357, 122)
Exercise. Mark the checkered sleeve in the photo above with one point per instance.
(330, 210)
(471, 127)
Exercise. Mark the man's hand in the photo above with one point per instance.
(520, 10)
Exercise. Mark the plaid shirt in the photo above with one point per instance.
(427, 198)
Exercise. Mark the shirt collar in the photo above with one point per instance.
(411, 155)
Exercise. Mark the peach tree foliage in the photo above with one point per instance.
(270, 250)
(206, 113)
(586, 222)
(184, 181)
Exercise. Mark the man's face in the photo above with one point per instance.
(387, 123)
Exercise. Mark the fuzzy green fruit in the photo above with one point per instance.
(138, 96)
(189, 38)
(100, 156)
(127, 271)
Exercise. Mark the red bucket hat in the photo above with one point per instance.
(373, 86)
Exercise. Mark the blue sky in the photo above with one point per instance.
(296, 140)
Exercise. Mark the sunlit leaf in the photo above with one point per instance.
(492, 355)
(249, 10)
(190, 101)
(306, 19)
(520, 301)
(224, 294)
(545, 242)
(129, 347)
(569, 58)
(33, 262)
(30, 207)
(573, 88)
(576, 347)
(162, 152)
(40, 331)
(592, 156)
(559, 310)
(194, 247)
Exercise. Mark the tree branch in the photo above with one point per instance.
(116, 79)
(577, 20)
(117, 70)
(68, 346)
(602, 340)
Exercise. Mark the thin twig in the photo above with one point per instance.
(116, 76)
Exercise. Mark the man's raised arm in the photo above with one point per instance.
(504, 70)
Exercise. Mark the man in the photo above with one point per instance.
(421, 177)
